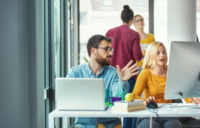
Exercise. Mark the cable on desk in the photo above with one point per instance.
(155, 111)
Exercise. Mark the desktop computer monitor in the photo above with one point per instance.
(183, 75)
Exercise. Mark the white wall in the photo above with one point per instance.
(19, 64)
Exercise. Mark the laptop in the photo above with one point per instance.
(79, 94)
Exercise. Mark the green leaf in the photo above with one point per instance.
(80, 56)
(85, 59)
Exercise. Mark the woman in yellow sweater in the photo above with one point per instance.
(145, 38)
(151, 81)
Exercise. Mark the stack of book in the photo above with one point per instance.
(124, 106)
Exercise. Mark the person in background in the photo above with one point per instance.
(145, 38)
(152, 81)
(115, 80)
(126, 43)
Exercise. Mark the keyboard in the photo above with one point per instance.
(180, 105)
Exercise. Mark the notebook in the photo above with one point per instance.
(128, 104)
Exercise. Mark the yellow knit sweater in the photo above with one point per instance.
(144, 43)
(151, 85)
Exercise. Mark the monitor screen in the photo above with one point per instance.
(183, 75)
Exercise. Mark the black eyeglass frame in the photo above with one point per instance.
(137, 21)
(108, 49)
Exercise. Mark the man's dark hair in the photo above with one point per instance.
(127, 14)
(95, 40)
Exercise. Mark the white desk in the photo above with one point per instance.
(162, 112)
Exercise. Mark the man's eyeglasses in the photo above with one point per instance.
(139, 20)
(108, 49)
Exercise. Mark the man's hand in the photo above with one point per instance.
(195, 100)
(127, 72)
(150, 99)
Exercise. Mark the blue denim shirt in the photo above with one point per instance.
(113, 87)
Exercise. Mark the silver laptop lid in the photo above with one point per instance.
(79, 94)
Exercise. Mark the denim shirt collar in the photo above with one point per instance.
(91, 72)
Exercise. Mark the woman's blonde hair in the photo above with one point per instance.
(137, 16)
(150, 55)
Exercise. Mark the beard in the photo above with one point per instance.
(103, 61)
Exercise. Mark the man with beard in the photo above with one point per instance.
(115, 80)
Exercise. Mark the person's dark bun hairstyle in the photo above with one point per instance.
(127, 14)
(126, 7)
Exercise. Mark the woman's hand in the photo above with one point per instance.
(150, 99)
(195, 100)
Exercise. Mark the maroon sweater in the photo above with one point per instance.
(126, 44)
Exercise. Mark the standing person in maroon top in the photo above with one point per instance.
(126, 44)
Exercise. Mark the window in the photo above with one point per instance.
(160, 21)
(107, 3)
(140, 3)
(56, 50)
(83, 18)
(57, 37)
(100, 20)
(67, 31)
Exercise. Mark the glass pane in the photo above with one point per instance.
(98, 16)
(69, 35)
(57, 44)
(57, 37)
(160, 21)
